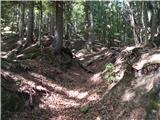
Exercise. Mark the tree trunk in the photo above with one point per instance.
(59, 27)
(30, 24)
(89, 34)
(21, 20)
(40, 23)
(144, 22)
(87, 25)
(92, 36)
(52, 25)
(68, 9)
(133, 26)
(153, 22)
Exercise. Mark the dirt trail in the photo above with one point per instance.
(61, 94)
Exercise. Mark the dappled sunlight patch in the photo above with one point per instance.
(128, 95)
(27, 85)
(147, 81)
(7, 28)
(57, 101)
(77, 94)
(93, 97)
(19, 42)
(79, 55)
(139, 65)
(141, 86)
(103, 48)
(130, 48)
(21, 55)
(41, 88)
(98, 118)
(96, 56)
(61, 117)
(42, 106)
(37, 75)
(108, 53)
(5, 73)
(120, 75)
(119, 69)
(149, 86)
(70, 93)
(81, 58)
(119, 61)
(3, 53)
(96, 78)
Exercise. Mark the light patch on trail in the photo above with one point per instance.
(96, 78)
(128, 95)
(93, 97)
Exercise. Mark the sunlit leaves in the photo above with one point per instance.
(77, 13)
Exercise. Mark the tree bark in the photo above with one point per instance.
(144, 22)
(153, 22)
(133, 26)
(92, 36)
(40, 23)
(52, 25)
(89, 34)
(30, 23)
(59, 28)
(21, 21)
(87, 25)
(68, 9)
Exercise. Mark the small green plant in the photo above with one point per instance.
(109, 74)
(84, 109)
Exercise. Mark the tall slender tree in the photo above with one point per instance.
(153, 20)
(30, 23)
(40, 22)
(144, 21)
(87, 21)
(21, 20)
(59, 28)
(133, 25)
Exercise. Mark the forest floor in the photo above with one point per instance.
(74, 94)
